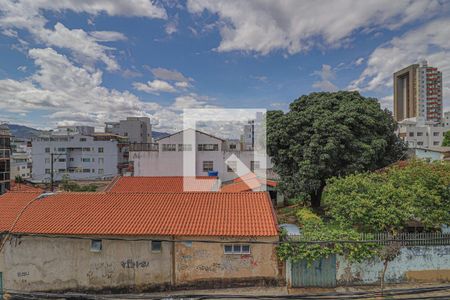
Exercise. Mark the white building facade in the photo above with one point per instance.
(136, 129)
(171, 156)
(423, 134)
(78, 156)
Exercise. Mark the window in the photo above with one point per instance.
(435, 133)
(86, 170)
(420, 134)
(61, 170)
(208, 147)
(254, 165)
(101, 160)
(47, 160)
(169, 147)
(47, 171)
(96, 245)
(87, 149)
(156, 246)
(232, 166)
(61, 149)
(236, 249)
(411, 134)
(101, 171)
(82, 139)
(47, 150)
(100, 149)
(435, 143)
(233, 147)
(71, 159)
(419, 143)
(208, 165)
(61, 159)
(86, 159)
(184, 147)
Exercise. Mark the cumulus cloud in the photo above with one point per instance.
(429, 42)
(326, 74)
(191, 100)
(28, 15)
(155, 87)
(171, 75)
(263, 26)
(69, 93)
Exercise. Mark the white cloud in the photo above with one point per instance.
(430, 41)
(191, 100)
(69, 93)
(326, 74)
(182, 84)
(22, 68)
(28, 15)
(171, 75)
(387, 102)
(265, 25)
(107, 36)
(359, 61)
(154, 87)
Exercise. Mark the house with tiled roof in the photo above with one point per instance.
(136, 240)
(164, 184)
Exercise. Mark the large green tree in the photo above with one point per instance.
(329, 134)
(387, 201)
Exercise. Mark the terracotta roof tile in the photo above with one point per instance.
(16, 187)
(164, 184)
(137, 214)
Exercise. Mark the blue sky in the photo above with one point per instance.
(87, 62)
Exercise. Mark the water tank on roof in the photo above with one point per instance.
(213, 173)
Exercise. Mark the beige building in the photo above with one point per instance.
(136, 241)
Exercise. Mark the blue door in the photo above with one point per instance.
(320, 273)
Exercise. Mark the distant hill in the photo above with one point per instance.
(23, 132)
(158, 135)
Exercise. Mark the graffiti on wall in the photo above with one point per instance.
(134, 264)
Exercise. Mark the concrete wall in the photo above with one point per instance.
(197, 261)
(45, 264)
(419, 263)
(58, 264)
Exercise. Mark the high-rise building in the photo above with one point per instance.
(5, 154)
(418, 93)
(136, 129)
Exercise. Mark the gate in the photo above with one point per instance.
(1, 285)
(321, 273)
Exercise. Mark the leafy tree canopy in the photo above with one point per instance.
(388, 200)
(329, 134)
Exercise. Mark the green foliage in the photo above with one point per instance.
(446, 141)
(18, 179)
(387, 201)
(322, 240)
(326, 135)
(70, 186)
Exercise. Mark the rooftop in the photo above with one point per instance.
(139, 214)
(163, 184)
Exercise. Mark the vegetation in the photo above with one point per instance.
(446, 141)
(387, 201)
(329, 134)
(18, 179)
(70, 186)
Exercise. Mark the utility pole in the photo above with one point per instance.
(51, 173)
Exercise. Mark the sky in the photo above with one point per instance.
(87, 62)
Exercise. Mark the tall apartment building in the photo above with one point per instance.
(5, 153)
(136, 129)
(79, 156)
(418, 93)
(251, 131)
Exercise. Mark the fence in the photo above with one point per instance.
(404, 239)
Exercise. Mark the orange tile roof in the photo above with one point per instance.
(140, 214)
(24, 187)
(163, 184)
(247, 182)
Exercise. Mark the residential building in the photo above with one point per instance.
(20, 158)
(251, 131)
(137, 241)
(418, 93)
(171, 156)
(5, 156)
(136, 129)
(433, 153)
(163, 184)
(422, 134)
(78, 156)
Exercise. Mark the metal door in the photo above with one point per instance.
(320, 273)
